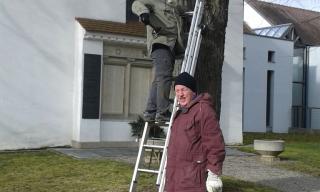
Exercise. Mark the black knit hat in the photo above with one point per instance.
(187, 80)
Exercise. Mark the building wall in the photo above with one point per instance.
(116, 131)
(37, 67)
(231, 96)
(41, 88)
(256, 66)
(111, 129)
(314, 87)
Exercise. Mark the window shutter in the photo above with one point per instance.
(91, 86)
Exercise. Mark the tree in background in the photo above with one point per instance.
(211, 55)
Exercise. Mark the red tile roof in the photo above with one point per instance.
(133, 28)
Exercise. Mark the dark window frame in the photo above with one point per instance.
(271, 56)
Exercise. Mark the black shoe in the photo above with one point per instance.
(149, 116)
(163, 117)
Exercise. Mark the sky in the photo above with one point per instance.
(256, 21)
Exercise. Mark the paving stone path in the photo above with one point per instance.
(244, 166)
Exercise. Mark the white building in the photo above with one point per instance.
(302, 27)
(45, 46)
(267, 84)
(313, 87)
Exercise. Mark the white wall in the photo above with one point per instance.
(116, 131)
(89, 129)
(231, 96)
(78, 80)
(314, 86)
(255, 83)
(37, 67)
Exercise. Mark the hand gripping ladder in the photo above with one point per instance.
(188, 65)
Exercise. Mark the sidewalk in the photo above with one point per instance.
(244, 166)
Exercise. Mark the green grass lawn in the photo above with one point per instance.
(302, 150)
(46, 171)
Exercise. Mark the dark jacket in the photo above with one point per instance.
(196, 144)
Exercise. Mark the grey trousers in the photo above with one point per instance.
(163, 62)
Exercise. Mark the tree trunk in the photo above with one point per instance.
(211, 55)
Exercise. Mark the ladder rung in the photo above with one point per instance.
(166, 124)
(148, 171)
(188, 13)
(154, 146)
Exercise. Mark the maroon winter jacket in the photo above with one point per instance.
(196, 144)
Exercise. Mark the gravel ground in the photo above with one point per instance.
(240, 165)
(248, 167)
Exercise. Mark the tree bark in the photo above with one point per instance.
(211, 55)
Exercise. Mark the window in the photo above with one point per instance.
(298, 89)
(271, 55)
(269, 102)
(279, 31)
(126, 79)
(126, 87)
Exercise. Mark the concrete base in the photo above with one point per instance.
(269, 149)
(94, 145)
(269, 158)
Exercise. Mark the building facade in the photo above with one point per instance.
(267, 84)
(65, 84)
(302, 27)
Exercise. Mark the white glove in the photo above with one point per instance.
(213, 183)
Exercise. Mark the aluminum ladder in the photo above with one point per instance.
(188, 65)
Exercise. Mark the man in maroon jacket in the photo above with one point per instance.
(196, 148)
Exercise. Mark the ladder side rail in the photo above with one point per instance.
(195, 58)
(198, 18)
(188, 58)
(192, 26)
(194, 38)
(198, 40)
(163, 181)
(140, 153)
(186, 66)
(164, 153)
(161, 175)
